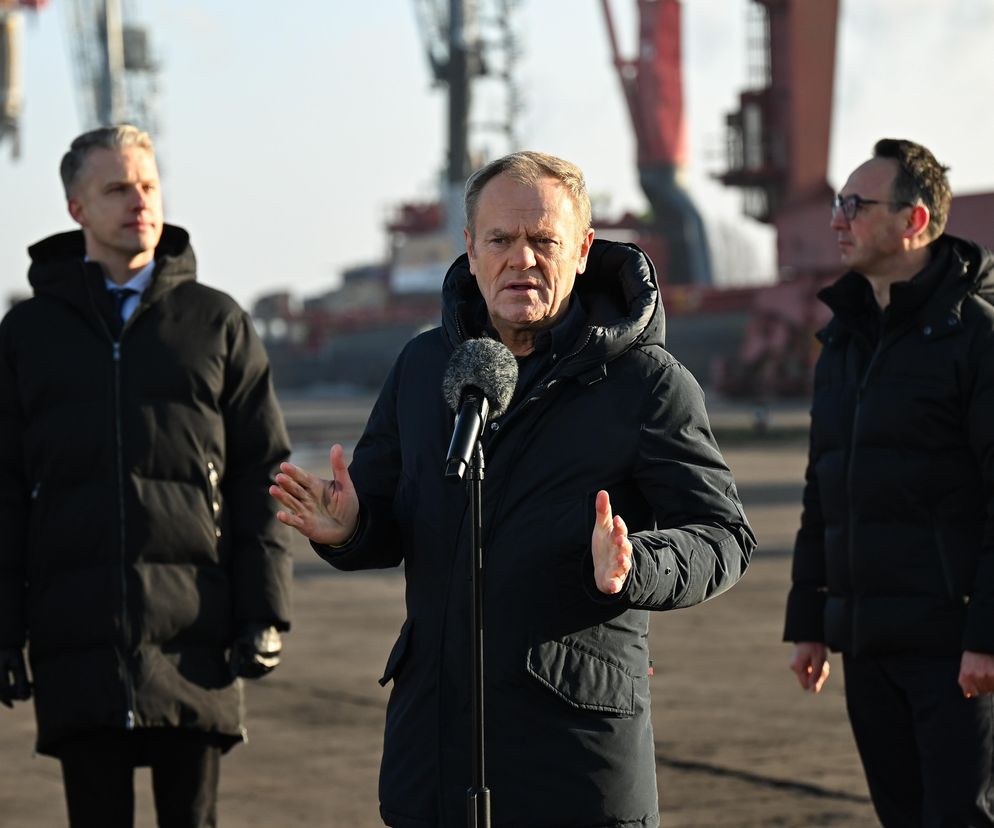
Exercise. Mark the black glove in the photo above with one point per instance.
(255, 652)
(14, 684)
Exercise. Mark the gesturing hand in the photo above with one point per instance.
(326, 511)
(610, 547)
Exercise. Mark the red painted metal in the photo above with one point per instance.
(778, 139)
(653, 82)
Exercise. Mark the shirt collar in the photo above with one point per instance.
(139, 282)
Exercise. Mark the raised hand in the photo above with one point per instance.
(610, 547)
(326, 511)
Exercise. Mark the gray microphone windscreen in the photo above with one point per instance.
(485, 364)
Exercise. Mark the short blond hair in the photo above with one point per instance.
(115, 137)
(528, 167)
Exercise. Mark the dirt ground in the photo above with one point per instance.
(737, 742)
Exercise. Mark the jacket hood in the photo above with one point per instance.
(618, 291)
(978, 262)
(958, 269)
(56, 258)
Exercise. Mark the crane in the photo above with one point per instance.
(10, 69)
(652, 84)
(466, 40)
(116, 74)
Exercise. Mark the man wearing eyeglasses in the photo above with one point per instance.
(894, 561)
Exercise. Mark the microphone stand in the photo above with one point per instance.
(478, 795)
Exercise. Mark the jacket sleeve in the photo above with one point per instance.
(979, 633)
(702, 542)
(256, 443)
(375, 472)
(14, 500)
(806, 600)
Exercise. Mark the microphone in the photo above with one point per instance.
(478, 383)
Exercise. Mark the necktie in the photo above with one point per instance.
(119, 295)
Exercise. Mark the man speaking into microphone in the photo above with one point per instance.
(605, 497)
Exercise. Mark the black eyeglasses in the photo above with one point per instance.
(850, 205)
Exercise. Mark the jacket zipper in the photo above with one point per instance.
(129, 690)
(214, 494)
(540, 389)
(883, 341)
(852, 453)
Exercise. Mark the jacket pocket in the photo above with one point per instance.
(582, 679)
(397, 655)
(948, 575)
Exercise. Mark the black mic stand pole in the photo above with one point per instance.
(478, 795)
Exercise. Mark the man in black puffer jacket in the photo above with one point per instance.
(894, 562)
(604, 424)
(140, 558)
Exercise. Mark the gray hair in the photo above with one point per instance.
(529, 167)
(111, 138)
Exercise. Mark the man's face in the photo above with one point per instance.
(526, 254)
(118, 204)
(874, 237)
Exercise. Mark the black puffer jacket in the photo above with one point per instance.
(568, 734)
(896, 548)
(114, 562)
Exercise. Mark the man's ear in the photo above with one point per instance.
(469, 250)
(918, 222)
(75, 208)
(585, 243)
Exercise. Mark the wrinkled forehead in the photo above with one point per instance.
(873, 179)
(506, 201)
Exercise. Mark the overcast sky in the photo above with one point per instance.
(291, 130)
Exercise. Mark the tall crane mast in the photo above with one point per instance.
(652, 83)
(466, 40)
(116, 75)
(10, 69)
(778, 139)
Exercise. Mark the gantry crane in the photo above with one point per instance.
(466, 40)
(116, 76)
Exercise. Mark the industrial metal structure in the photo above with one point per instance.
(116, 73)
(652, 83)
(753, 341)
(467, 41)
(10, 69)
(778, 139)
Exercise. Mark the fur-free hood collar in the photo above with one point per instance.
(618, 291)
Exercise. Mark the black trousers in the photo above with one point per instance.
(98, 774)
(928, 752)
